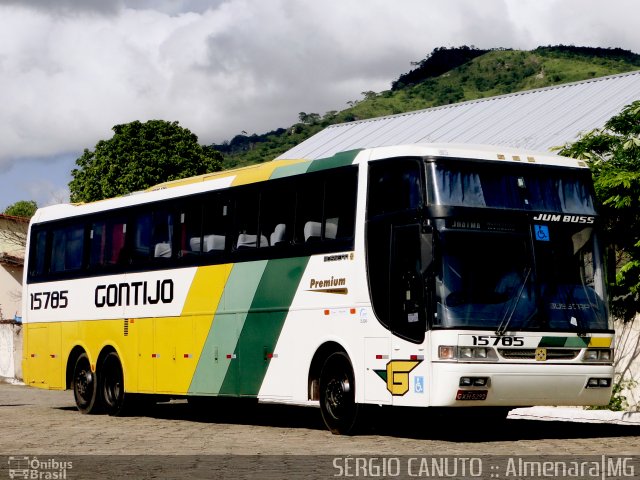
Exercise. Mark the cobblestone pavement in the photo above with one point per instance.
(38, 422)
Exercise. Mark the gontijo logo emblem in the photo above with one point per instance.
(397, 375)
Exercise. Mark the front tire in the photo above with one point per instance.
(337, 394)
(85, 386)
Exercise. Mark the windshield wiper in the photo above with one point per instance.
(506, 319)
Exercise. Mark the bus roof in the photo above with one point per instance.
(477, 152)
(287, 167)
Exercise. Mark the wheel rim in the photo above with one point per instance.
(84, 384)
(338, 397)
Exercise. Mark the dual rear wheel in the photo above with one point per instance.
(102, 389)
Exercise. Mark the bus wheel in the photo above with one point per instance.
(337, 394)
(112, 384)
(85, 386)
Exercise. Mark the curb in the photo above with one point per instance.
(568, 414)
(10, 381)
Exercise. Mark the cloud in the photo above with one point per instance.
(71, 69)
(110, 7)
(68, 6)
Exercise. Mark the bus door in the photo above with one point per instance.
(410, 259)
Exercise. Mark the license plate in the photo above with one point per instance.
(472, 395)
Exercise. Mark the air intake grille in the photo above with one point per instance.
(530, 353)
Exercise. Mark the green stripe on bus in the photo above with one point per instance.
(577, 342)
(338, 160)
(264, 323)
(574, 342)
(552, 341)
(225, 329)
(289, 170)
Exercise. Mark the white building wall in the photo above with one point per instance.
(11, 351)
(628, 359)
(10, 292)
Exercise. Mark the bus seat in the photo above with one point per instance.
(278, 234)
(312, 231)
(194, 244)
(214, 242)
(249, 241)
(162, 250)
(331, 228)
(211, 243)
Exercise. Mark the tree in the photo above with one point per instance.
(22, 208)
(309, 118)
(138, 156)
(14, 231)
(613, 153)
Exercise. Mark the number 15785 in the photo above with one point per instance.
(57, 299)
(495, 340)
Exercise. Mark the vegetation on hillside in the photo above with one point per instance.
(447, 75)
(21, 208)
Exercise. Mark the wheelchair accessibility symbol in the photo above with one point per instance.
(542, 233)
(418, 386)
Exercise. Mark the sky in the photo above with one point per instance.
(72, 69)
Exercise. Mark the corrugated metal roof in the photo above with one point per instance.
(534, 119)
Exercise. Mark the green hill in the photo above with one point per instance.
(447, 75)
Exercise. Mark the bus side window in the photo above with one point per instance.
(214, 226)
(394, 186)
(309, 211)
(152, 236)
(189, 231)
(277, 209)
(162, 234)
(340, 205)
(107, 241)
(67, 248)
(37, 261)
(246, 221)
(142, 228)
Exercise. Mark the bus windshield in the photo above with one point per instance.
(539, 277)
(521, 187)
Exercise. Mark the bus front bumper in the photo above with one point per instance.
(497, 384)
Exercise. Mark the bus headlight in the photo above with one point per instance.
(598, 355)
(452, 352)
(473, 353)
(466, 352)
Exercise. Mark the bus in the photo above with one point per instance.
(425, 275)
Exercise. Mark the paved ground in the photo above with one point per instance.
(34, 421)
(45, 423)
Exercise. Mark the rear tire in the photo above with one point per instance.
(112, 385)
(85, 387)
(337, 394)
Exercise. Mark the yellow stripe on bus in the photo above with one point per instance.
(206, 290)
(602, 342)
(259, 173)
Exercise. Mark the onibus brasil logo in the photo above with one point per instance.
(397, 375)
(25, 467)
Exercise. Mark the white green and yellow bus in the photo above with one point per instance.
(417, 275)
